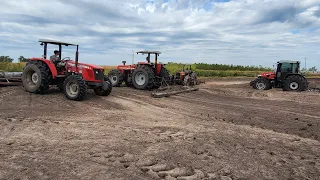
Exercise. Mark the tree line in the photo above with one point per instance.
(226, 67)
(199, 66)
(7, 59)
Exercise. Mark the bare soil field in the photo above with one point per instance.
(226, 130)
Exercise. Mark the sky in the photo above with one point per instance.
(239, 32)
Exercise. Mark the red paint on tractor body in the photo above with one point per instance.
(87, 70)
(268, 75)
(123, 68)
(158, 69)
(50, 64)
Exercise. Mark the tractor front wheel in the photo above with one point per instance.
(74, 87)
(106, 90)
(295, 83)
(116, 77)
(262, 84)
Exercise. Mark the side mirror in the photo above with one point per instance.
(124, 62)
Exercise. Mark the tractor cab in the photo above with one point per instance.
(187, 69)
(155, 65)
(285, 68)
(60, 64)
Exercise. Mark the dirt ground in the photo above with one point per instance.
(226, 130)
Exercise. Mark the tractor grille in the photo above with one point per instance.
(98, 74)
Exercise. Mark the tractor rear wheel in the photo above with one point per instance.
(74, 87)
(143, 77)
(116, 77)
(262, 84)
(104, 92)
(36, 77)
(165, 74)
(295, 83)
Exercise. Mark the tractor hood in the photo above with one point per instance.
(266, 74)
(71, 62)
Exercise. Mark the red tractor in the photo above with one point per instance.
(286, 76)
(144, 75)
(186, 76)
(69, 76)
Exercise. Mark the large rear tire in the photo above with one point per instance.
(104, 92)
(165, 74)
(116, 77)
(74, 88)
(295, 83)
(143, 78)
(36, 77)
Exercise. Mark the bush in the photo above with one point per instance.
(204, 71)
(12, 67)
(204, 66)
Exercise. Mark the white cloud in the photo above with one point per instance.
(248, 32)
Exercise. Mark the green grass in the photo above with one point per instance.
(12, 67)
(202, 70)
(215, 70)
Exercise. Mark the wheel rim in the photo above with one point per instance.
(261, 85)
(113, 79)
(294, 85)
(140, 78)
(32, 78)
(72, 89)
(35, 78)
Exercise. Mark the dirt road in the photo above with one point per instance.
(223, 131)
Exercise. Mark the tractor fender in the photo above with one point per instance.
(50, 64)
(295, 74)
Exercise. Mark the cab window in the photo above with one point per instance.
(286, 67)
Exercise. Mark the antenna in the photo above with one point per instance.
(132, 57)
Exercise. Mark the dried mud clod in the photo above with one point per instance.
(158, 170)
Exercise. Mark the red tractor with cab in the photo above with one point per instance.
(144, 75)
(286, 75)
(68, 75)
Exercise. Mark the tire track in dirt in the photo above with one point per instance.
(252, 106)
(2, 95)
(303, 125)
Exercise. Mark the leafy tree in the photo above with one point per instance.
(5, 59)
(303, 70)
(23, 59)
(313, 69)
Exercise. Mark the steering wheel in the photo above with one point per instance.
(66, 59)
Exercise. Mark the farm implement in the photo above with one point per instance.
(10, 78)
